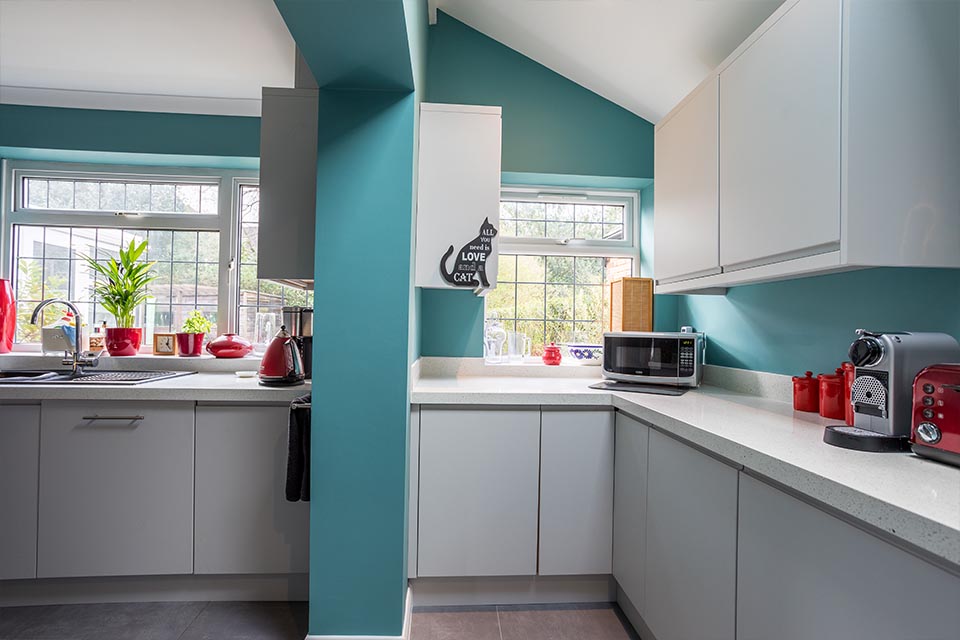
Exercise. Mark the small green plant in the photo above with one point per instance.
(196, 322)
(124, 284)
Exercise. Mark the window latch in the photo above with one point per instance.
(126, 213)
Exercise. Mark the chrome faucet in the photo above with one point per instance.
(80, 359)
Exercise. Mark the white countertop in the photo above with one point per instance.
(199, 387)
(911, 499)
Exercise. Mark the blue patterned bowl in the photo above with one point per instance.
(584, 353)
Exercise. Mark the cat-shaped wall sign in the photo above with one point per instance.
(471, 262)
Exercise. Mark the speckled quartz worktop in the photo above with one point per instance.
(912, 500)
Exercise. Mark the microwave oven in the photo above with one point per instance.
(654, 358)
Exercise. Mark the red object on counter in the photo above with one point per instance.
(935, 429)
(282, 365)
(849, 375)
(189, 345)
(8, 316)
(806, 393)
(551, 355)
(123, 341)
(229, 345)
(831, 395)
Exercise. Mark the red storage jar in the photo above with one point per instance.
(849, 375)
(831, 395)
(806, 393)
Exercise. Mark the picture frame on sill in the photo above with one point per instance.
(164, 344)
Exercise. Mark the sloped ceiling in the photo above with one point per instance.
(171, 55)
(644, 55)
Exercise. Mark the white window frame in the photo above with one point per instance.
(628, 247)
(225, 221)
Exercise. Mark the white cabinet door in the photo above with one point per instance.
(479, 481)
(780, 140)
(19, 460)
(243, 522)
(686, 219)
(630, 507)
(458, 188)
(116, 489)
(576, 492)
(690, 580)
(805, 574)
(288, 183)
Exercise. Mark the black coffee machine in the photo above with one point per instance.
(299, 322)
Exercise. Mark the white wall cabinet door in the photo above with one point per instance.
(116, 489)
(458, 187)
(630, 507)
(243, 522)
(576, 492)
(690, 579)
(805, 574)
(780, 140)
(479, 481)
(19, 460)
(686, 215)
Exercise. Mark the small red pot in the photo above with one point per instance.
(551, 355)
(229, 345)
(190, 344)
(806, 393)
(123, 342)
(831, 395)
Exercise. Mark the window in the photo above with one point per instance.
(54, 214)
(259, 301)
(559, 250)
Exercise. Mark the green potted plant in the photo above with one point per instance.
(120, 288)
(190, 336)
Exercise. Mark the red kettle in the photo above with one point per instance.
(281, 365)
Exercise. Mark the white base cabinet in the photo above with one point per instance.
(691, 546)
(19, 461)
(802, 574)
(630, 507)
(576, 492)
(116, 489)
(479, 490)
(243, 523)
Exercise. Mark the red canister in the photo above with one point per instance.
(849, 374)
(551, 355)
(831, 395)
(806, 393)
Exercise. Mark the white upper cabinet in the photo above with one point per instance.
(836, 149)
(780, 141)
(458, 196)
(686, 224)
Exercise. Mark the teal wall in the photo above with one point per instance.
(554, 132)
(550, 124)
(807, 324)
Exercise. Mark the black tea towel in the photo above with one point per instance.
(298, 451)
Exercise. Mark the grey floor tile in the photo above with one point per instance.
(249, 621)
(571, 624)
(455, 625)
(126, 621)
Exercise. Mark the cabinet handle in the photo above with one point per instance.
(124, 418)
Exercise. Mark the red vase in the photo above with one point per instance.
(190, 344)
(229, 345)
(123, 341)
(8, 316)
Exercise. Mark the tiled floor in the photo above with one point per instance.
(546, 622)
(157, 621)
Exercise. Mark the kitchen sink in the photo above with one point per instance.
(89, 377)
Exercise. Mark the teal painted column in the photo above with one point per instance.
(360, 399)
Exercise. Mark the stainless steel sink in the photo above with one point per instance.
(91, 377)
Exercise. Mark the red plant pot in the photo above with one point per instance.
(229, 345)
(123, 342)
(190, 344)
(8, 316)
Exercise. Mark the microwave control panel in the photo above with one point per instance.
(688, 356)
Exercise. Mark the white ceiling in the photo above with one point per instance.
(208, 56)
(644, 55)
